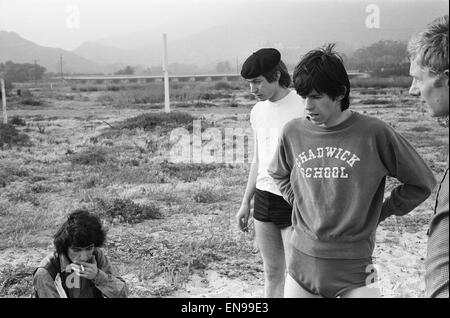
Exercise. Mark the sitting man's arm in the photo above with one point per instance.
(106, 281)
(44, 285)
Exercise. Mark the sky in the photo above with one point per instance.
(68, 23)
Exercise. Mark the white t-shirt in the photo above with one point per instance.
(267, 119)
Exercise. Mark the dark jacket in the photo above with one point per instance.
(436, 262)
(54, 279)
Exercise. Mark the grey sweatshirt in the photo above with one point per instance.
(335, 179)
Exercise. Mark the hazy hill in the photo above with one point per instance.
(103, 54)
(293, 27)
(19, 50)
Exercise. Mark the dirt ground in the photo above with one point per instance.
(194, 249)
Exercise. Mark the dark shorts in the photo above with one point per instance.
(329, 277)
(269, 207)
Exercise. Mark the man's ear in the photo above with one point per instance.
(446, 74)
(278, 76)
(343, 92)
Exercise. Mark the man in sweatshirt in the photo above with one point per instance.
(428, 52)
(331, 167)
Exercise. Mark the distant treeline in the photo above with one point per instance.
(381, 59)
(385, 58)
(21, 72)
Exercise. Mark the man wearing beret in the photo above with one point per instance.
(269, 81)
(332, 167)
(428, 52)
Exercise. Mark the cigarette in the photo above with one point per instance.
(82, 268)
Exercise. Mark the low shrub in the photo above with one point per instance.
(207, 195)
(17, 121)
(125, 210)
(31, 102)
(9, 135)
(150, 121)
(223, 85)
(91, 156)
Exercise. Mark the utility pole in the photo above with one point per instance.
(166, 76)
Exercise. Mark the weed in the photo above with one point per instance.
(41, 128)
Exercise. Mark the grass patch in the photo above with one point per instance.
(10, 173)
(375, 101)
(150, 121)
(92, 156)
(125, 210)
(16, 281)
(21, 193)
(208, 195)
(188, 172)
(420, 128)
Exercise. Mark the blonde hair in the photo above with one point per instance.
(431, 46)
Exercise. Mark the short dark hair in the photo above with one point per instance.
(285, 78)
(80, 229)
(323, 70)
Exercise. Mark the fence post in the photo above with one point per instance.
(5, 115)
(166, 76)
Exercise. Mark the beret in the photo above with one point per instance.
(260, 62)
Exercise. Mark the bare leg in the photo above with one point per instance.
(270, 244)
(286, 235)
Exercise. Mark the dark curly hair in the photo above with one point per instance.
(285, 78)
(81, 229)
(322, 70)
